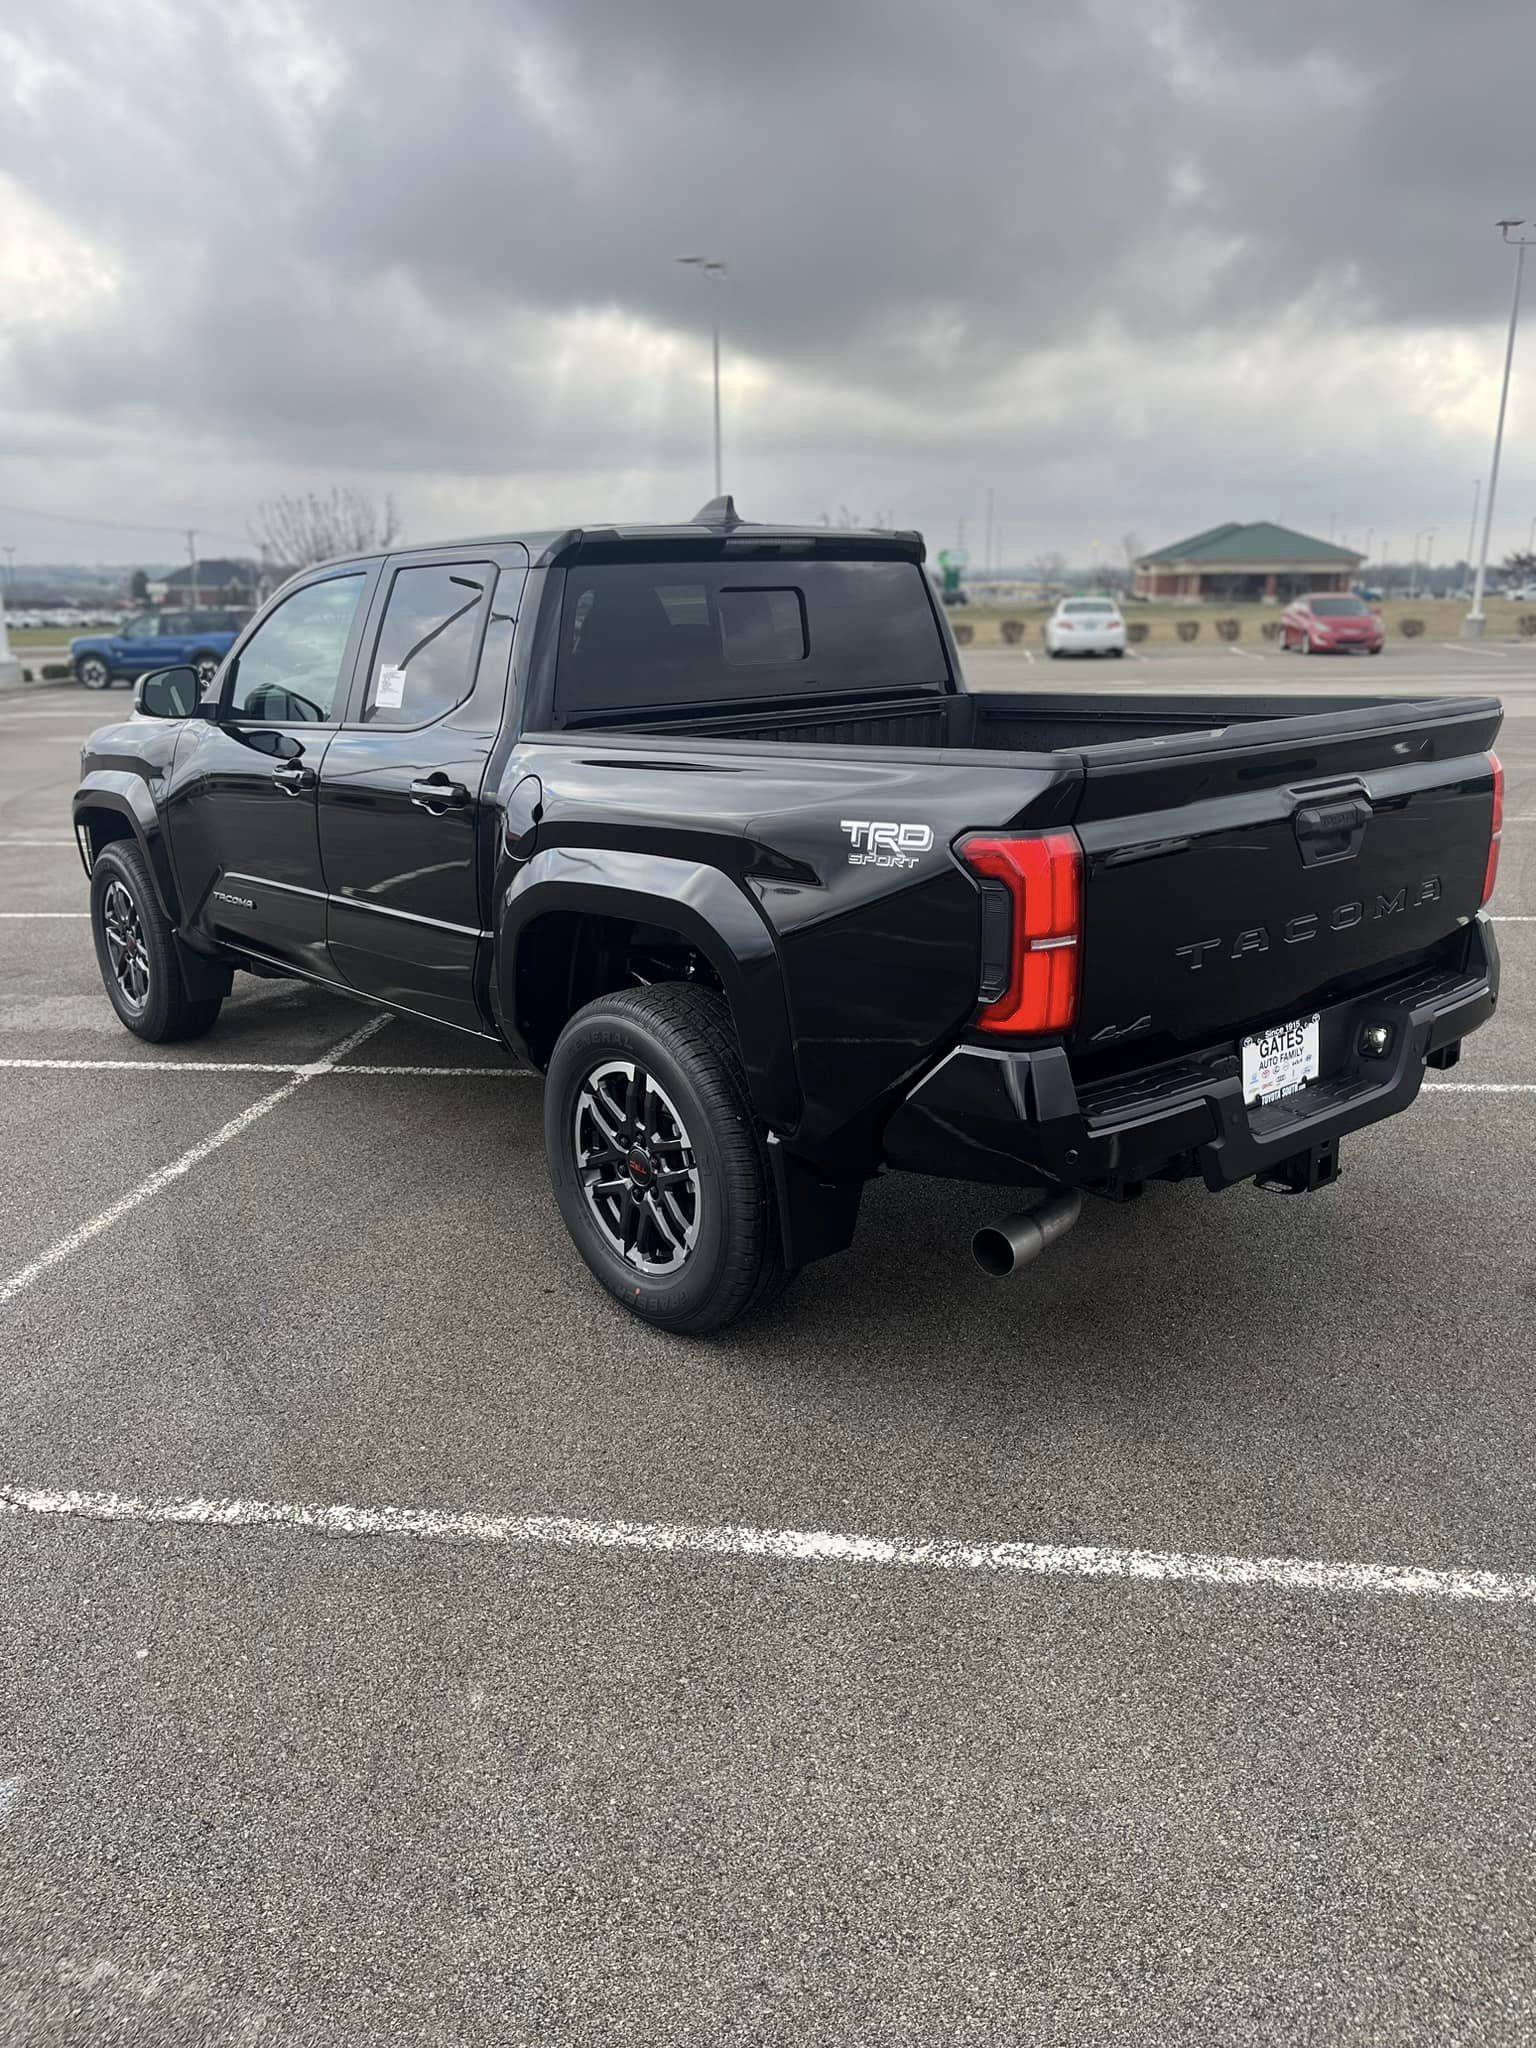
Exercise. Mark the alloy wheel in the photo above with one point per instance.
(126, 950)
(636, 1163)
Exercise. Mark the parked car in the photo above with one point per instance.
(701, 821)
(155, 640)
(1526, 594)
(1085, 625)
(1331, 623)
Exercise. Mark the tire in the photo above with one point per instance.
(135, 953)
(92, 673)
(1118, 653)
(702, 1250)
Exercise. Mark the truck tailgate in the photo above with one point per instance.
(1234, 877)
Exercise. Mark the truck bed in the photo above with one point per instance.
(1013, 721)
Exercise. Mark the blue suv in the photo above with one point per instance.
(156, 640)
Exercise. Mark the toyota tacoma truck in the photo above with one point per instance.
(702, 822)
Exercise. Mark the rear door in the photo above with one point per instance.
(1232, 877)
(400, 787)
(241, 808)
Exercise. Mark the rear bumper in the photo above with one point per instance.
(1018, 1118)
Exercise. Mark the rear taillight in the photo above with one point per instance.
(1491, 872)
(1031, 927)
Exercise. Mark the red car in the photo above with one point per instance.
(1331, 623)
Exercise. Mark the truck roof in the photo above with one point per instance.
(718, 520)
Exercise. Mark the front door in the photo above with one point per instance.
(242, 807)
(140, 647)
(400, 790)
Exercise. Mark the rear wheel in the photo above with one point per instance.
(136, 953)
(92, 672)
(655, 1159)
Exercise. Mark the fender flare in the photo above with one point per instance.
(701, 903)
(108, 789)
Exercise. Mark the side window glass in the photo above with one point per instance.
(290, 667)
(423, 665)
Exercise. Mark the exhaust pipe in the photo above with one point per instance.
(1018, 1240)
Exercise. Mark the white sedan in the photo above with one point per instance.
(1085, 625)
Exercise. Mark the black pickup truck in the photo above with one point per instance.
(702, 821)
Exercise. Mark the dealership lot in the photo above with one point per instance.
(565, 1749)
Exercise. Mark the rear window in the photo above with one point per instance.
(1338, 608)
(1088, 604)
(635, 634)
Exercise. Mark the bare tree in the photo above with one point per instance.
(1049, 568)
(1131, 548)
(299, 531)
(1520, 567)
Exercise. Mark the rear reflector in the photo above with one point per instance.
(1491, 872)
(1028, 973)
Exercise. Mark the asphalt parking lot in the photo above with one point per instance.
(525, 1732)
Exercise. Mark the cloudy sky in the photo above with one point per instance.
(1135, 266)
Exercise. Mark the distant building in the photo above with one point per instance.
(219, 583)
(1252, 564)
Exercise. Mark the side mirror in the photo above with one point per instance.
(168, 692)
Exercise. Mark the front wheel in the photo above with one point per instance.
(135, 953)
(92, 672)
(655, 1158)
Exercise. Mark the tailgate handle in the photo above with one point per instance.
(1335, 831)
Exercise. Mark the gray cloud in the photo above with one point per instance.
(1130, 264)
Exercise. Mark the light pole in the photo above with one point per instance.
(1477, 492)
(1473, 625)
(713, 269)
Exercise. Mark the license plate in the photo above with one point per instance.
(1280, 1061)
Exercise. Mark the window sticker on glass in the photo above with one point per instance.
(389, 693)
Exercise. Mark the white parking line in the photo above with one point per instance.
(1480, 647)
(76, 1240)
(793, 1546)
(309, 1071)
(12, 914)
(36, 842)
(1479, 1088)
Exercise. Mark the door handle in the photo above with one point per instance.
(292, 779)
(436, 792)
